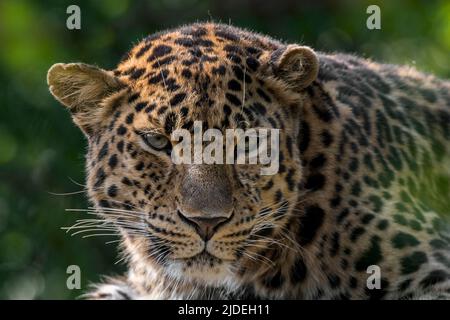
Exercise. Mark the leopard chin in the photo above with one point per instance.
(203, 268)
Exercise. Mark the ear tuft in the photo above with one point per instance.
(79, 86)
(296, 65)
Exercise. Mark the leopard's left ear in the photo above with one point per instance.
(295, 65)
(81, 88)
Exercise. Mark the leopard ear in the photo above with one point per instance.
(82, 88)
(295, 65)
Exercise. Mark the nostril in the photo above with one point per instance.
(205, 226)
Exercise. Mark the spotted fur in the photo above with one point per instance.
(363, 178)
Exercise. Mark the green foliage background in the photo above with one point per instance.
(41, 152)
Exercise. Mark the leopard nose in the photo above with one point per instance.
(205, 227)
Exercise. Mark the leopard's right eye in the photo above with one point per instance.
(156, 141)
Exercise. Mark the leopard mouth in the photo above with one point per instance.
(204, 256)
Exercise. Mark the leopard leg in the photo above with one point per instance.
(111, 289)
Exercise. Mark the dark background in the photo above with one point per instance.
(41, 152)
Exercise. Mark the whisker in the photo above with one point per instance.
(107, 213)
(77, 183)
(165, 85)
(113, 241)
(66, 193)
(93, 229)
(100, 235)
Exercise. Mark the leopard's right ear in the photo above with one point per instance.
(82, 88)
(294, 65)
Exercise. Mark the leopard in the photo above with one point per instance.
(358, 208)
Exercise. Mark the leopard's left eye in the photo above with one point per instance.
(156, 141)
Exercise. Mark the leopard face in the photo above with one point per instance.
(207, 222)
